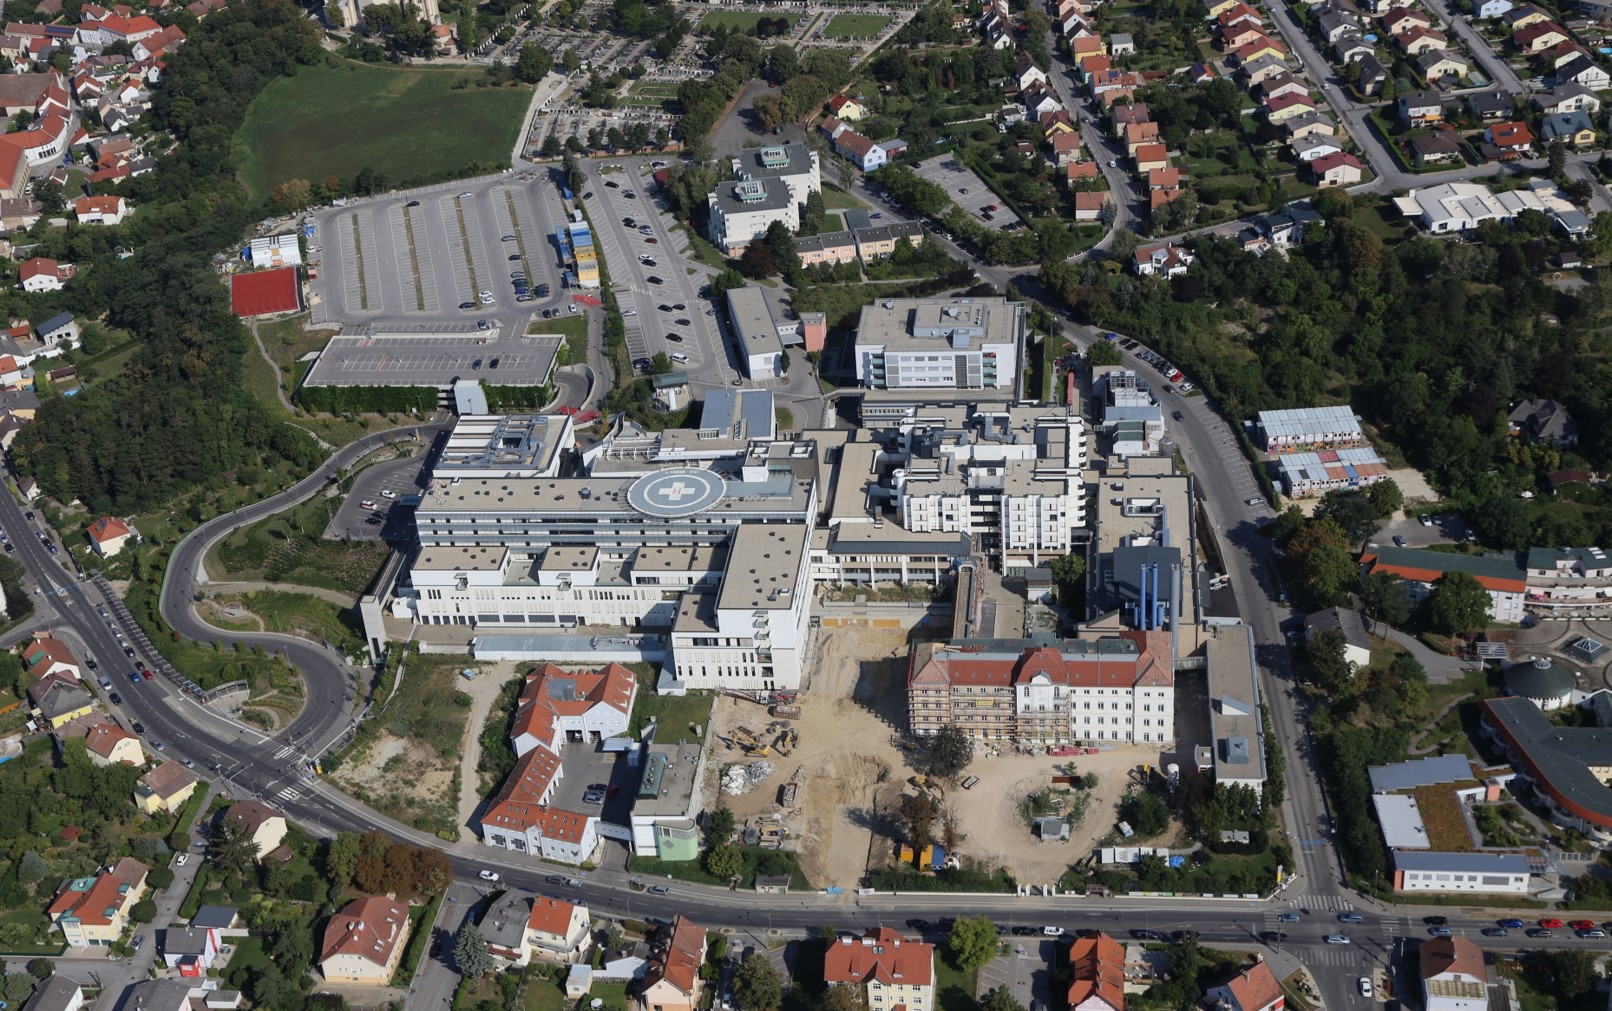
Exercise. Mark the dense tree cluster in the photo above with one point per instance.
(1432, 341)
(178, 416)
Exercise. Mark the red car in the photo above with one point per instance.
(146, 674)
(1550, 924)
(1581, 924)
(652, 240)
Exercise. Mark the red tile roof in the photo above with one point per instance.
(1149, 664)
(44, 652)
(38, 266)
(1327, 162)
(551, 916)
(1255, 988)
(881, 954)
(552, 692)
(103, 738)
(1453, 955)
(1097, 969)
(679, 962)
(369, 927)
(104, 896)
(108, 528)
(264, 291)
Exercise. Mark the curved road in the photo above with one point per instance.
(326, 715)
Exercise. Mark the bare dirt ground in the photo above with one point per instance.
(1411, 483)
(989, 813)
(846, 768)
(850, 774)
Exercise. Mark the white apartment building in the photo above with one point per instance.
(742, 210)
(793, 165)
(940, 344)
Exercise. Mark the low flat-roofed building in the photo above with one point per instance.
(1292, 430)
(1482, 873)
(670, 795)
(1302, 475)
(940, 344)
(1567, 768)
(1234, 719)
(506, 445)
(760, 347)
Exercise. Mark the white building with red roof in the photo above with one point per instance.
(521, 925)
(100, 210)
(364, 943)
(672, 978)
(1454, 976)
(108, 535)
(1252, 988)
(888, 969)
(1114, 688)
(43, 274)
(109, 744)
(556, 706)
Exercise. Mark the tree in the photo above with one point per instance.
(920, 812)
(757, 261)
(41, 968)
(1318, 556)
(1458, 603)
(291, 195)
(1572, 973)
(233, 849)
(32, 869)
(50, 194)
(660, 364)
(1353, 512)
(972, 942)
(470, 952)
(841, 997)
(1386, 598)
(724, 861)
(950, 751)
(571, 61)
(341, 858)
(17, 986)
(999, 998)
(769, 111)
(1069, 571)
(1104, 353)
(1384, 496)
(1325, 664)
(534, 64)
(161, 877)
(757, 984)
(719, 826)
(143, 911)
(1147, 814)
(1123, 245)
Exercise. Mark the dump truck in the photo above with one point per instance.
(785, 712)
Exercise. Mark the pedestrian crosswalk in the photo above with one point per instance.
(288, 749)
(290, 793)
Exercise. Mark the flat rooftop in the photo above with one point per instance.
(497, 445)
(669, 780)
(764, 566)
(1234, 703)
(752, 321)
(434, 359)
(941, 325)
(665, 493)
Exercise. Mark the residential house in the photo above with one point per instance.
(1352, 48)
(190, 950)
(1544, 421)
(1454, 976)
(1341, 169)
(1138, 134)
(1162, 259)
(1093, 66)
(263, 826)
(1419, 108)
(1308, 125)
(1539, 37)
(1025, 73)
(1524, 16)
(1089, 205)
(860, 151)
(1169, 178)
(1490, 8)
(1334, 25)
(92, 911)
(1489, 106)
(1150, 156)
(847, 108)
(1438, 64)
(11, 378)
(1559, 56)
(520, 925)
(108, 535)
(1077, 170)
(100, 210)
(1162, 197)
(164, 788)
(1096, 974)
(1308, 149)
(1568, 98)
(1346, 622)
(828, 247)
(1259, 70)
(1402, 19)
(1201, 73)
(1124, 115)
(59, 699)
(60, 329)
(58, 993)
(1082, 46)
(45, 654)
(1065, 147)
(1421, 40)
(1437, 147)
(672, 977)
(43, 274)
(1279, 85)
(888, 970)
(1574, 128)
(1583, 71)
(1121, 44)
(109, 744)
(1251, 988)
(1259, 47)
(1286, 107)
(1513, 139)
(364, 943)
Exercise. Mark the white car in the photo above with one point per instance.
(182, 859)
(1052, 931)
(388, 493)
(1365, 986)
(368, 503)
(488, 875)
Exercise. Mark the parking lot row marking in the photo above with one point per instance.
(402, 239)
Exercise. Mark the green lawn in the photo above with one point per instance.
(954, 988)
(403, 123)
(744, 21)
(835, 198)
(575, 331)
(674, 712)
(855, 26)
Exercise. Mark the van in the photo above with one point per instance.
(680, 358)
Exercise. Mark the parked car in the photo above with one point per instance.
(659, 890)
(1365, 986)
(1052, 931)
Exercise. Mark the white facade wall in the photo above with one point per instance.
(1457, 881)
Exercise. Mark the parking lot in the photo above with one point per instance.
(443, 254)
(352, 519)
(1025, 968)
(968, 191)
(435, 359)
(634, 260)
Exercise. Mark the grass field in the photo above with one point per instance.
(575, 331)
(744, 21)
(855, 26)
(404, 124)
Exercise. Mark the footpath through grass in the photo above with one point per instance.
(409, 123)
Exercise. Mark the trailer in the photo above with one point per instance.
(785, 712)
